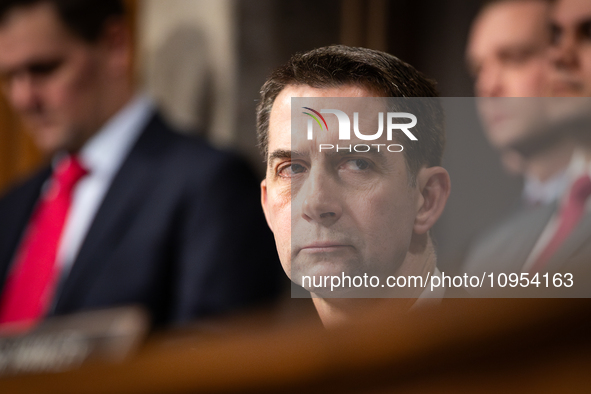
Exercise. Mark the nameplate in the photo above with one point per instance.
(66, 342)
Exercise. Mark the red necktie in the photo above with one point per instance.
(570, 214)
(32, 282)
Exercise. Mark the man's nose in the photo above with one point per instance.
(322, 199)
(489, 82)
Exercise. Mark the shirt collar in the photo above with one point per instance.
(536, 191)
(578, 166)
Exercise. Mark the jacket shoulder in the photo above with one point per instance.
(179, 150)
(29, 187)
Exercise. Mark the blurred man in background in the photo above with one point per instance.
(565, 243)
(128, 212)
(351, 213)
(507, 55)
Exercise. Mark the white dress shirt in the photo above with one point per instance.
(102, 156)
(536, 192)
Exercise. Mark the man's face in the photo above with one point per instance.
(334, 213)
(51, 78)
(507, 49)
(507, 56)
(571, 48)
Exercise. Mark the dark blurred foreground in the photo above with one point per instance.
(465, 345)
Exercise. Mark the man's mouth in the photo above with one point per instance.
(324, 247)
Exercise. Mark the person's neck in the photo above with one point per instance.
(420, 260)
(546, 164)
(117, 98)
(113, 100)
(338, 312)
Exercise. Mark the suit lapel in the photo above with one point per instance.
(114, 216)
(15, 213)
(577, 239)
(530, 232)
(519, 237)
(506, 248)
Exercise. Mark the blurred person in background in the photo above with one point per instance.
(128, 212)
(352, 213)
(508, 55)
(565, 243)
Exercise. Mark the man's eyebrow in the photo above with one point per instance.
(35, 66)
(519, 49)
(44, 66)
(284, 154)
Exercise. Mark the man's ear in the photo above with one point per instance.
(264, 201)
(116, 39)
(434, 186)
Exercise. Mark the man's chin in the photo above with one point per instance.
(360, 292)
(325, 281)
(337, 293)
(46, 141)
(341, 285)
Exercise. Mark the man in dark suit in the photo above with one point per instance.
(129, 212)
(508, 60)
(570, 84)
(554, 238)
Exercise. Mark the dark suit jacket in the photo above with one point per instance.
(180, 231)
(506, 247)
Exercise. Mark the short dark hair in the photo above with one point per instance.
(379, 72)
(489, 3)
(84, 18)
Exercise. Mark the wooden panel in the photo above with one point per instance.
(18, 154)
(465, 346)
(364, 23)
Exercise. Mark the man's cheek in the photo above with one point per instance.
(280, 196)
(284, 251)
(281, 221)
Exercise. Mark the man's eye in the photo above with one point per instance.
(357, 164)
(290, 170)
(517, 56)
(585, 30)
(44, 69)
